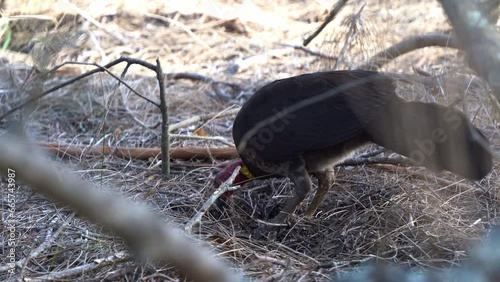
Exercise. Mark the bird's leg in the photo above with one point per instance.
(300, 178)
(325, 179)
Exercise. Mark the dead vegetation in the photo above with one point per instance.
(375, 212)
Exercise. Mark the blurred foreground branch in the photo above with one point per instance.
(146, 233)
(478, 36)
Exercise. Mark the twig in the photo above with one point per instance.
(114, 274)
(146, 233)
(204, 117)
(96, 264)
(6, 20)
(407, 45)
(165, 138)
(211, 138)
(309, 51)
(284, 263)
(338, 7)
(199, 77)
(206, 79)
(223, 188)
(42, 247)
(376, 160)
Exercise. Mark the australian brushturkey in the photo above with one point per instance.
(306, 124)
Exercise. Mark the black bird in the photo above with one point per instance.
(308, 123)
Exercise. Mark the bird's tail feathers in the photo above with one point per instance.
(437, 137)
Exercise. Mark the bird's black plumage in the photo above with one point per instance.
(307, 123)
(329, 121)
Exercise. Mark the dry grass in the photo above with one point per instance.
(370, 214)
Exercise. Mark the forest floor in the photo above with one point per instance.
(404, 215)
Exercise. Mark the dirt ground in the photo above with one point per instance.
(404, 215)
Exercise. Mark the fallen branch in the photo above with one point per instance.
(407, 45)
(46, 244)
(189, 153)
(205, 117)
(223, 188)
(210, 138)
(185, 153)
(92, 266)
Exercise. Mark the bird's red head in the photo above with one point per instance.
(225, 173)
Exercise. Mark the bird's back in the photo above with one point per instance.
(289, 117)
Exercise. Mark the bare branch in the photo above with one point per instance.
(338, 7)
(211, 138)
(223, 188)
(407, 45)
(165, 137)
(98, 69)
(95, 264)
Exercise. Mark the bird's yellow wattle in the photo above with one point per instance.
(246, 172)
